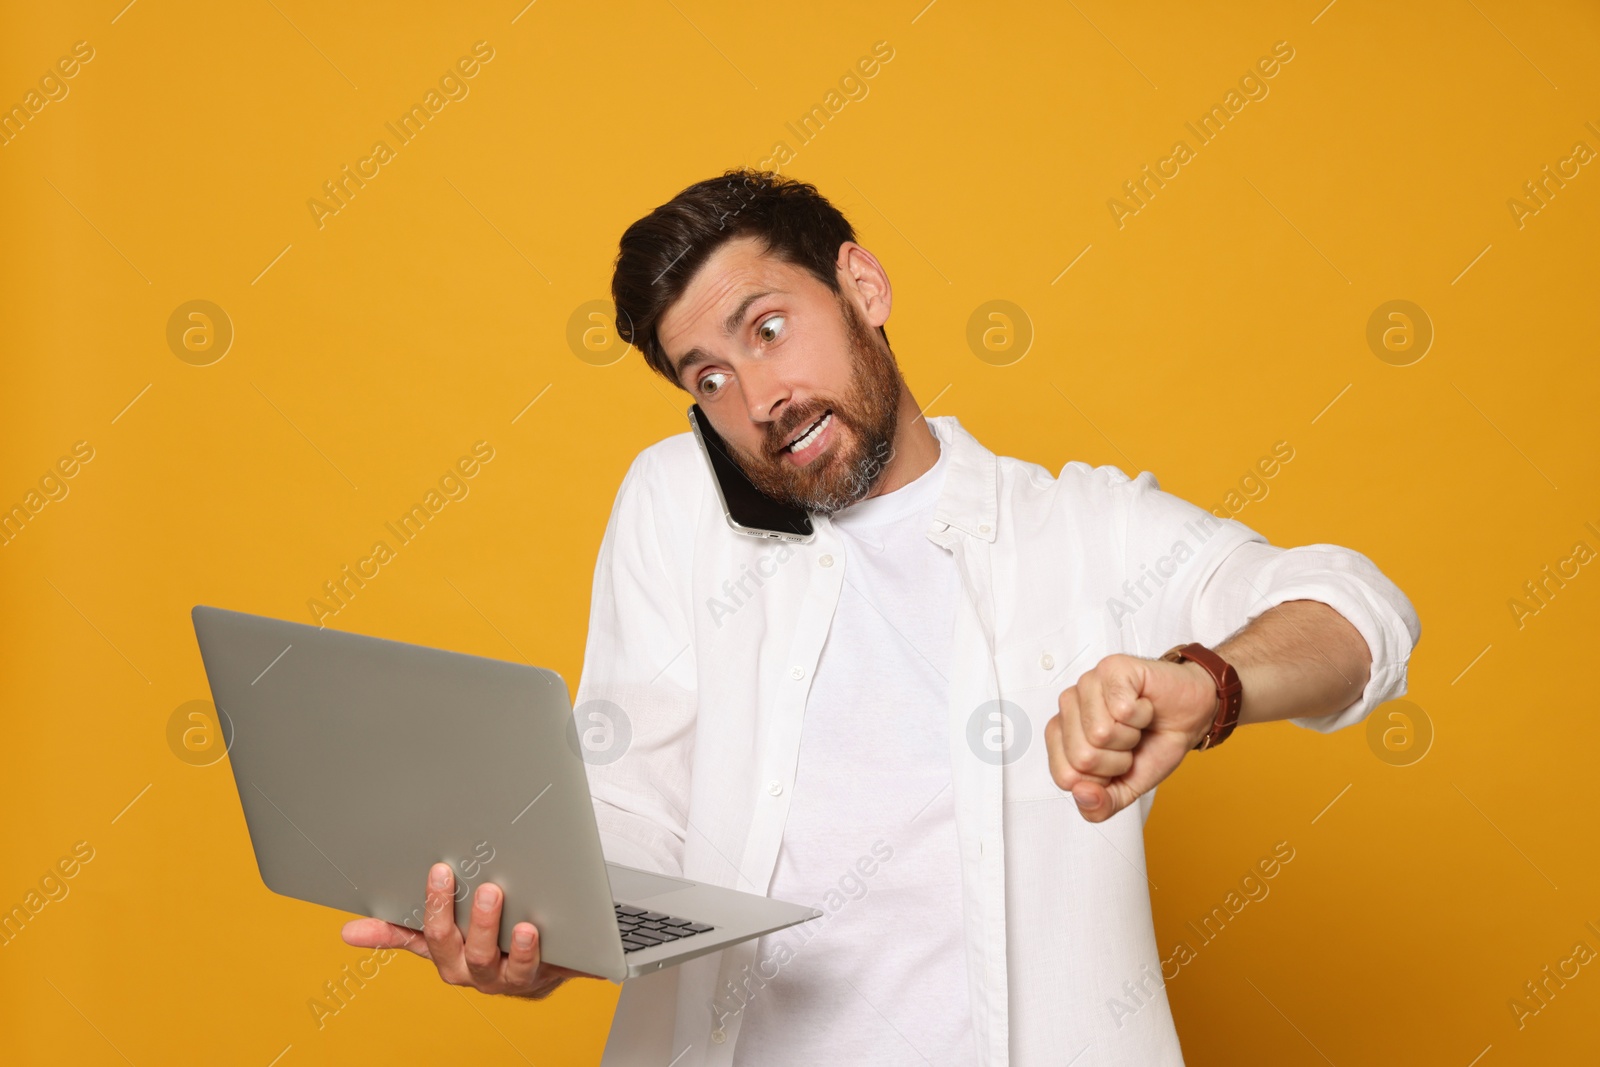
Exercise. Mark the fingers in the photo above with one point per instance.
(439, 925)
(475, 960)
(1065, 775)
(1085, 707)
(1114, 714)
(1094, 743)
(1157, 756)
(375, 933)
(522, 962)
(1097, 803)
(482, 950)
(1104, 732)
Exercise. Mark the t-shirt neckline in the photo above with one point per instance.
(920, 493)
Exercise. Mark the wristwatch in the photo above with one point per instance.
(1230, 693)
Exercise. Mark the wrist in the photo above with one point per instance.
(1226, 691)
(1208, 699)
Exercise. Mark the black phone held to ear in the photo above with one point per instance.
(748, 509)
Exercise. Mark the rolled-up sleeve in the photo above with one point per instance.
(1256, 576)
(636, 699)
(1217, 575)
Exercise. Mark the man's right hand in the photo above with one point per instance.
(476, 961)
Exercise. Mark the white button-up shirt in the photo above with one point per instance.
(702, 643)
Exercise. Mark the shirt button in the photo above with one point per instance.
(775, 788)
(797, 673)
(826, 561)
(984, 528)
(719, 1035)
(1047, 661)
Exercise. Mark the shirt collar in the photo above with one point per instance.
(969, 501)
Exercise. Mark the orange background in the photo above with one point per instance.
(368, 354)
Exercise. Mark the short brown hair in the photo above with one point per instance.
(660, 253)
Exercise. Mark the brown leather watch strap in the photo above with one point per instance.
(1230, 692)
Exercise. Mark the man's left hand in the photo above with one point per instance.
(1124, 727)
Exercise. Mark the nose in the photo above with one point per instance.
(765, 392)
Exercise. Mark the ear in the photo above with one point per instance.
(863, 279)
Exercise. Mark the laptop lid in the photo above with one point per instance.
(360, 762)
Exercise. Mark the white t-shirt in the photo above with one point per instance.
(871, 837)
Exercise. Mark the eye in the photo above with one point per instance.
(701, 384)
(767, 331)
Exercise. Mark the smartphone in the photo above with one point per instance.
(748, 509)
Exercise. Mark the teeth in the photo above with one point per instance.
(805, 441)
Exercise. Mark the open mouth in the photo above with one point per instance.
(809, 433)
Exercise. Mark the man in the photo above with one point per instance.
(888, 722)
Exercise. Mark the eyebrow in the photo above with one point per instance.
(729, 326)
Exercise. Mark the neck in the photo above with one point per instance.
(916, 449)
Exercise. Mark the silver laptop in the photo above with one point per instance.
(362, 762)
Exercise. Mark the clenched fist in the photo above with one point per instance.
(1124, 727)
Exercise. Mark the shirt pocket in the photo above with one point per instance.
(1032, 674)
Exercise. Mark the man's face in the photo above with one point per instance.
(795, 363)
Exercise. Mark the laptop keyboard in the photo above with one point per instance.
(642, 929)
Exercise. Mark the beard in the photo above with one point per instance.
(854, 462)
